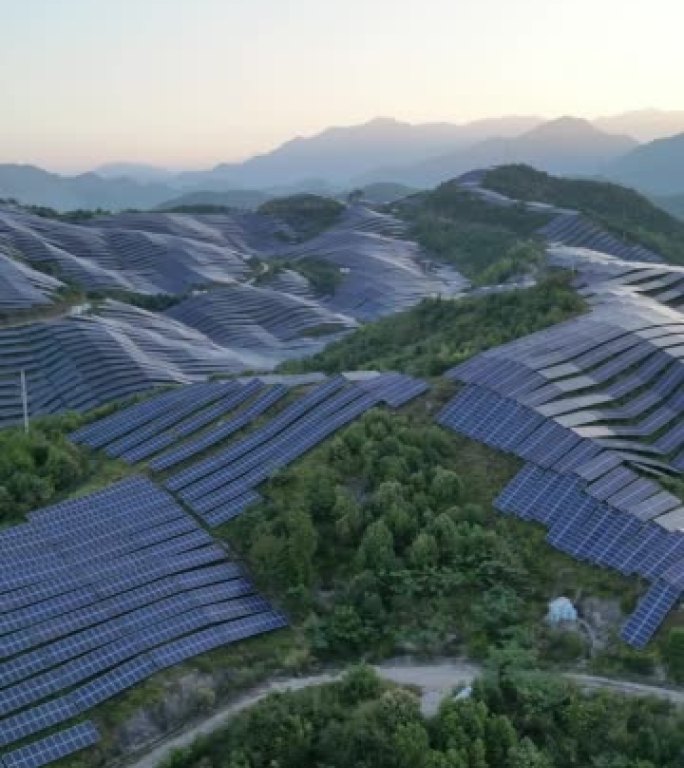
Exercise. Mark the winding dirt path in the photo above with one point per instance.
(436, 681)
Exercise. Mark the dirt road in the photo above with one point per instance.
(436, 681)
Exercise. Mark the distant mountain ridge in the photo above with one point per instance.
(140, 172)
(565, 146)
(34, 186)
(656, 168)
(644, 125)
(339, 154)
(381, 150)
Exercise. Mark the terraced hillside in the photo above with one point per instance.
(22, 287)
(123, 583)
(111, 598)
(233, 308)
(595, 408)
(136, 578)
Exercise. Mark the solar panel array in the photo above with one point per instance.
(223, 324)
(256, 318)
(81, 362)
(23, 288)
(574, 229)
(381, 271)
(222, 485)
(100, 258)
(51, 748)
(596, 407)
(99, 593)
(565, 226)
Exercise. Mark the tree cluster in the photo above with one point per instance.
(624, 212)
(513, 720)
(37, 466)
(440, 333)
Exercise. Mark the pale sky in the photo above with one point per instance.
(189, 83)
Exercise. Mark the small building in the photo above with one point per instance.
(561, 610)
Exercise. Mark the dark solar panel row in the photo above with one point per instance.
(23, 288)
(590, 530)
(575, 230)
(236, 396)
(222, 485)
(125, 675)
(221, 432)
(107, 582)
(53, 747)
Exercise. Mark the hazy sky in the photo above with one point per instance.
(194, 82)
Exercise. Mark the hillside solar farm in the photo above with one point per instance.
(593, 407)
(124, 583)
(178, 321)
(239, 302)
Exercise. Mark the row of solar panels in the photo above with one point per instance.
(597, 276)
(587, 399)
(575, 230)
(251, 317)
(173, 254)
(119, 259)
(53, 747)
(22, 287)
(100, 592)
(566, 226)
(222, 485)
(619, 385)
(592, 530)
(82, 362)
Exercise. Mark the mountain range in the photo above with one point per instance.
(564, 146)
(384, 150)
(656, 168)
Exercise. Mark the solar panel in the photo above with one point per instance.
(650, 613)
(115, 591)
(53, 747)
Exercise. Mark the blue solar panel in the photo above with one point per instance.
(36, 719)
(116, 590)
(219, 433)
(650, 613)
(202, 395)
(53, 747)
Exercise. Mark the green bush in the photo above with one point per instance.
(626, 213)
(487, 243)
(438, 333)
(35, 468)
(674, 653)
(519, 720)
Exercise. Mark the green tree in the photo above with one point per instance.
(674, 653)
(424, 551)
(446, 487)
(302, 541)
(377, 548)
(526, 755)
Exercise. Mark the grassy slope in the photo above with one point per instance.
(620, 210)
(438, 334)
(488, 244)
(673, 204)
(308, 215)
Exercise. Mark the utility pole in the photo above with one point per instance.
(24, 400)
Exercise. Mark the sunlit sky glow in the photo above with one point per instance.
(190, 83)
